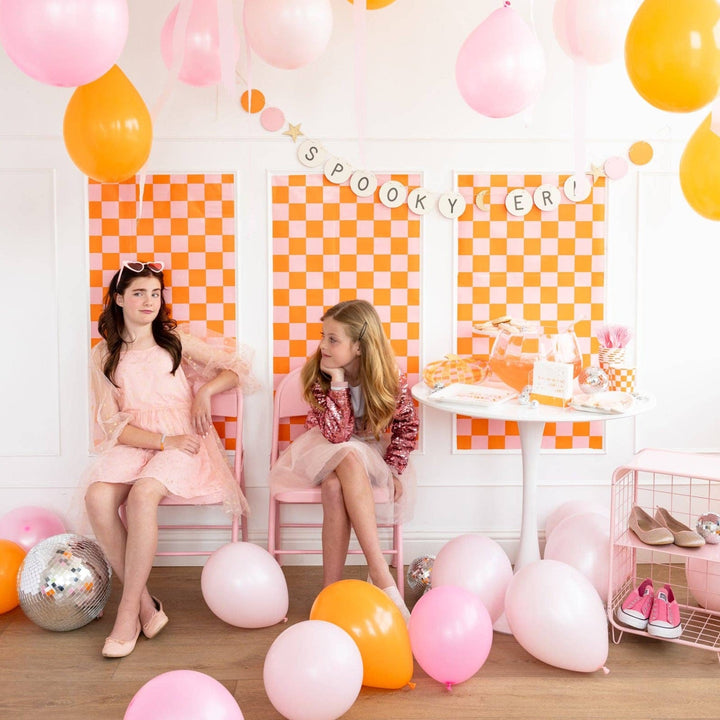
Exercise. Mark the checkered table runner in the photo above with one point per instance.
(547, 267)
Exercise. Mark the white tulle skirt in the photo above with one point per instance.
(309, 459)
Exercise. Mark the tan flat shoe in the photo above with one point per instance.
(158, 620)
(120, 648)
(649, 530)
(683, 536)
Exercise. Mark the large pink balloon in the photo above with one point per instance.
(583, 541)
(67, 43)
(555, 613)
(183, 695)
(450, 634)
(590, 31)
(478, 564)
(500, 68)
(573, 507)
(28, 525)
(313, 671)
(201, 63)
(288, 33)
(244, 586)
(703, 579)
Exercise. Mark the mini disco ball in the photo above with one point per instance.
(418, 573)
(592, 380)
(64, 582)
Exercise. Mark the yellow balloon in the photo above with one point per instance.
(107, 128)
(368, 615)
(700, 171)
(376, 4)
(672, 53)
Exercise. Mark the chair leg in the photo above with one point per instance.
(272, 539)
(399, 562)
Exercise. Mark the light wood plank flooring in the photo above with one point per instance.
(62, 676)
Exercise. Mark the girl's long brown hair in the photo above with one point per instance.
(379, 378)
(111, 322)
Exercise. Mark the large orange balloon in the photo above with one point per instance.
(672, 53)
(368, 615)
(11, 558)
(700, 171)
(107, 128)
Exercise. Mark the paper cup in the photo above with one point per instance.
(622, 379)
(608, 357)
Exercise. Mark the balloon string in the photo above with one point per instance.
(360, 27)
(580, 102)
(248, 59)
(226, 26)
(178, 55)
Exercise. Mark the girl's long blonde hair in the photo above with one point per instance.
(378, 368)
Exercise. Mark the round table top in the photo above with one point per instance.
(512, 410)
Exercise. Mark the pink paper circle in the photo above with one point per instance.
(272, 119)
(615, 167)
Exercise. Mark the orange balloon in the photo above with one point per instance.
(672, 54)
(11, 558)
(376, 4)
(107, 128)
(700, 171)
(368, 615)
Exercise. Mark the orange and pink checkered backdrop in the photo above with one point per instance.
(188, 222)
(547, 267)
(330, 245)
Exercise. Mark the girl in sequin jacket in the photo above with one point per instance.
(362, 426)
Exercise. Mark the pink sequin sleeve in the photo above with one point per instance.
(403, 430)
(333, 414)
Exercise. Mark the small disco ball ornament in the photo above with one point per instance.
(418, 573)
(593, 380)
(64, 582)
(708, 526)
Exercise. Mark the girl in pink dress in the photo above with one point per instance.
(362, 426)
(151, 386)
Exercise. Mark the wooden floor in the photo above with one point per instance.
(62, 676)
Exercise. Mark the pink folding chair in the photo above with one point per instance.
(289, 403)
(228, 406)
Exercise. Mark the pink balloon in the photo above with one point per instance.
(703, 579)
(67, 43)
(288, 33)
(244, 586)
(478, 564)
(313, 671)
(555, 613)
(183, 695)
(450, 633)
(500, 68)
(573, 507)
(590, 31)
(27, 526)
(201, 64)
(583, 541)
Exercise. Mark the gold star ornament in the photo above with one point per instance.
(294, 131)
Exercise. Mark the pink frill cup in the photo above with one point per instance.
(622, 379)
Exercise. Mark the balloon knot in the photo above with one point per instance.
(605, 670)
(448, 685)
(507, 3)
(284, 619)
(412, 685)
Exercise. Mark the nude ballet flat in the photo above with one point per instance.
(649, 530)
(158, 620)
(120, 648)
(683, 536)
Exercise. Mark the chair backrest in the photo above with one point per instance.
(289, 403)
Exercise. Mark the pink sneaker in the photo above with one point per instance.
(637, 606)
(665, 616)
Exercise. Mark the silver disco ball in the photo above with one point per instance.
(64, 582)
(418, 573)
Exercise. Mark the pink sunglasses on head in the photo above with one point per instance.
(137, 267)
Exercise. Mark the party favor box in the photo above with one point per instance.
(552, 383)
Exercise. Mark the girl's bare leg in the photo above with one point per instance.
(335, 530)
(360, 505)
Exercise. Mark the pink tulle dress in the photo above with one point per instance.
(150, 397)
(333, 432)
